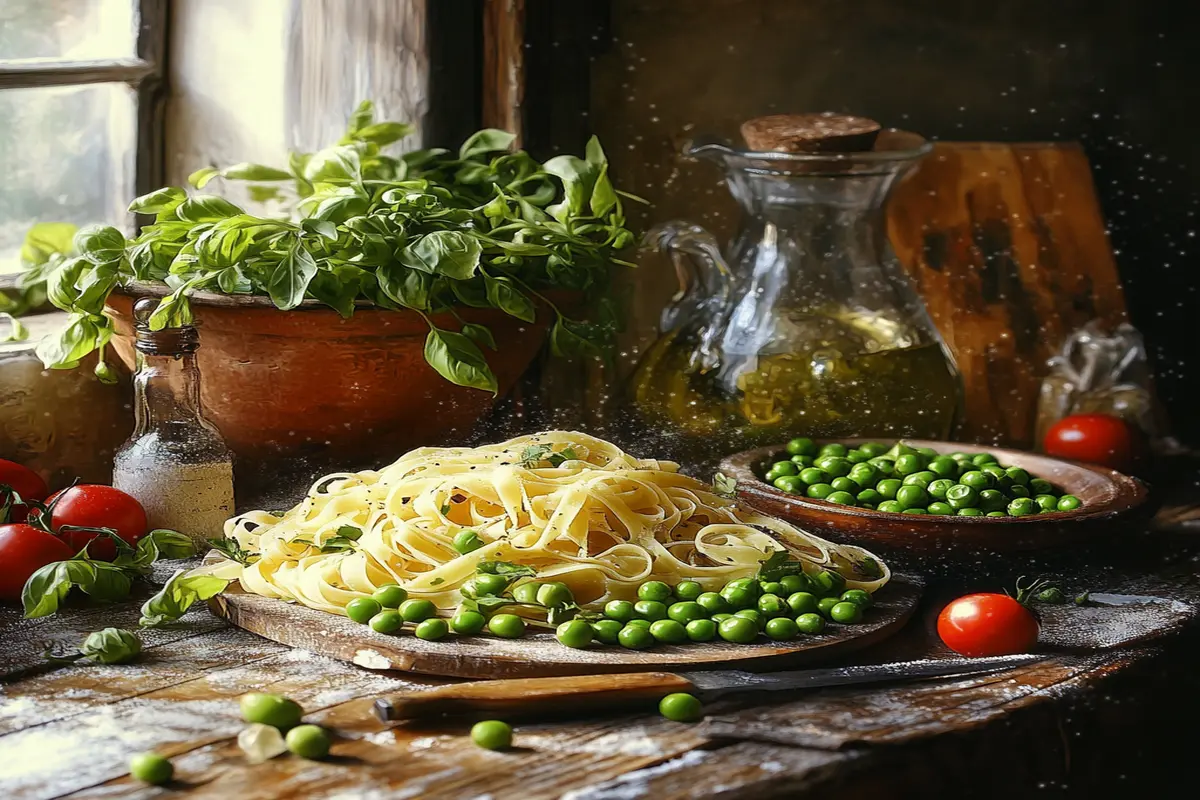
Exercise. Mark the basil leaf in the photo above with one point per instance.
(338, 287)
(480, 334)
(341, 163)
(407, 287)
(472, 293)
(594, 153)
(232, 549)
(569, 338)
(321, 227)
(363, 115)
(100, 243)
(82, 334)
(604, 198)
(506, 568)
(724, 486)
(202, 176)
(60, 283)
(111, 646)
(384, 133)
(488, 140)
(173, 311)
(156, 202)
(178, 594)
(504, 295)
(206, 208)
(450, 253)
(94, 287)
(46, 588)
(350, 532)
(44, 240)
(457, 359)
(254, 172)
(577, 177)
(17, 331)
(291, 278)
(231, 281)
(159, 543)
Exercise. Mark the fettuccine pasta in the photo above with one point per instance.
(575, 508)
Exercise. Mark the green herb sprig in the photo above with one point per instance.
(430, 231)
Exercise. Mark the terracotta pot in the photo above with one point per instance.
(308, 384)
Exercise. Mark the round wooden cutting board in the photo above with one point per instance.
(539, 654)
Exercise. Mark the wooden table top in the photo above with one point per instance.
(68, 731)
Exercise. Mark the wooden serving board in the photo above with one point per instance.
(539, 654)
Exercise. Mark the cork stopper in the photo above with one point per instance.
(824, 132)
(166, 342)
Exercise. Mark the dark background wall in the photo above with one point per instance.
(1118, 76)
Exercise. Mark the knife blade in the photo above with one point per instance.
(544, 697)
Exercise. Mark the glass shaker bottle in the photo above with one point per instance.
(176, 464)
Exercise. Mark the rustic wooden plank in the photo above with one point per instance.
(504, 65)
(38, 73)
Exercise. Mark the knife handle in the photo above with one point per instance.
(532, 697)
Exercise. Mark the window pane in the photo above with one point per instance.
(70, 29)
(66, 155)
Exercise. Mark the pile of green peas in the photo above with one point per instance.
(913, 480)
(740, 612)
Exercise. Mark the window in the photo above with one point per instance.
(80, 97)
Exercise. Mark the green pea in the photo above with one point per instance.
(819, 491)
(836, 467)
(792, 484)
(739, 597)
(826, 604)
(387, 621)
(507, 626)
(846, 613)
(915, 511)
(554, 594)
(928, 452)
(888, 487)
(720, 617)
(1040, 486)
(996, 513)
(856, 456)
(270, 709)
(574, 633)
(620, 610)
(802, 603)
(861, 597)
(867, 506)
(884, 466)
(996, 471)
(829, 582)
(468, 623)
(1019, 491)
(635, 637)
(681, 707)
(417, 610)
(361, 609)
(961, 496)
(972, 512)
(390, 596)
(526, 592)
(467, 541)
(1046, 502)
(960, 457)
(492, 734)
(151, 768)
(650, 609)
(639, 623)
(770, 587)
(606, 631)
(1004, 484)
(784, 468)
(654, 590)
(813, 475)
(688, 590)
(747, 583)
(1069, 502)
(901, 449)
(803, 461)
(908, 464)
(992, 500)
(712, 603)
(668, 631)
(432, 629)
(912, 497)
(978, 480)
(937, 489)
(490, 585)
(810, 623)
(864, 475)
(771, 605)
(834, 449)
(873, 449)
(922, 479)
(944, 467)
(940, 509)
(1018, 476)
(868, 496)
(701, 630)
(752, 614)
(686, 611)
(738, 630)
(771, 476)
(781, 629)
(840, 498)
(845, 485)
(983, 458)
(1022, 507)
(795, 583)
(802, 446)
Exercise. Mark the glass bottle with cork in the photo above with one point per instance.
(175, 463)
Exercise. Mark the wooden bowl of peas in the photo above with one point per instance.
(919, 495)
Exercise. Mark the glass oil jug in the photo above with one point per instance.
(807, 325)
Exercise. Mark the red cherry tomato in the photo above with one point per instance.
(1096, 439)
(23, 551)
(987, 625)
(96, 507)
(24, 482)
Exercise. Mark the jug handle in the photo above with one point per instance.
(704, 278)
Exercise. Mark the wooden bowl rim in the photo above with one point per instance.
(1130, 492)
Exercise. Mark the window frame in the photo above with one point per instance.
(145, 74)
